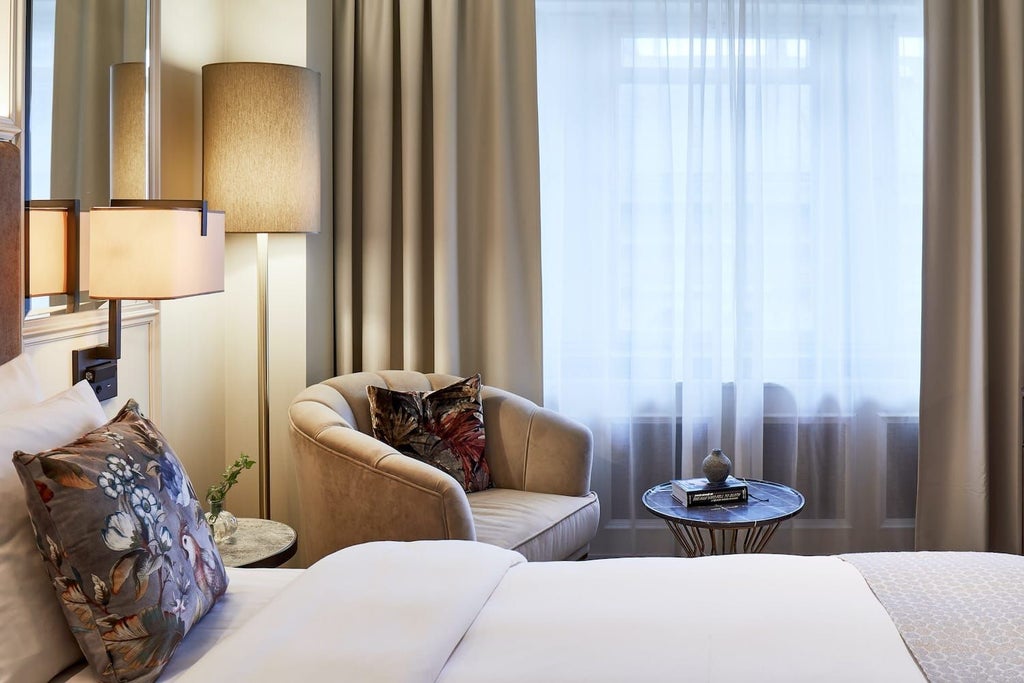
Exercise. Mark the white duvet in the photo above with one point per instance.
(458, 612)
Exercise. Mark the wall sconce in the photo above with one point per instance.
(51, 250)
(146, 249)
(261, 164)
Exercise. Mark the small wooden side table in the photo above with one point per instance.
(730, 528)
(258, 543)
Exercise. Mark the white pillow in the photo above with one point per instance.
(19, 386)
(35, 642)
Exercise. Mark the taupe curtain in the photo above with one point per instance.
(437, 199)
(969, 474)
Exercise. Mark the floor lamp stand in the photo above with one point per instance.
(263, 456)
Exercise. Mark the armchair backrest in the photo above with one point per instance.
(515, 426)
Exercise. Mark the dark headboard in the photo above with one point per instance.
(12, 301)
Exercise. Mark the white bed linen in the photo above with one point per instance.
(19, 384)
(395, 612)
(765, 618)
(249, 591)
(381, 611)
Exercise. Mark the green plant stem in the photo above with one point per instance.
(216, 494)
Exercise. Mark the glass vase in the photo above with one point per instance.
(222, 523)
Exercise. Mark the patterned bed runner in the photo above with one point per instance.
(960, 614)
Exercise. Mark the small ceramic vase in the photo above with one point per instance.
(222, 523)
(717, 466)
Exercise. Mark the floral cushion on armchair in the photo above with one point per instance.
(443, 428)
(125, 543)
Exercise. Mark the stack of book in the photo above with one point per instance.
(694, 492)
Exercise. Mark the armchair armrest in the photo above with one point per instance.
(354, 488)
(531, 448)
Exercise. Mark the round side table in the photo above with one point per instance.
(258, 543)
(730, 528)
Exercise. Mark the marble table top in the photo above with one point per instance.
(768, 503)
(258, 543)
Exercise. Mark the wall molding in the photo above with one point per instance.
(51, 339)
(56, 328)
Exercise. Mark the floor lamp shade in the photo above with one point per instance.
(128, 130)
(261, 146)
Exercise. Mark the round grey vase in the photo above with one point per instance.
(717, 466)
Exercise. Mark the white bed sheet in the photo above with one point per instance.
(385, 611)
(249, 590)
(740, 618)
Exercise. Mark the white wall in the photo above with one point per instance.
(50, 341)
(193, 337)
(264, 31)
(267, 31)
(216, 408)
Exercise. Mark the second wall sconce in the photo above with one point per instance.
(51, 250)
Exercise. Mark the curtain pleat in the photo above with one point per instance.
(969, 489)
(437, 193)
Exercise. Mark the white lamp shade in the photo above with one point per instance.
(261, 146)
(144, 253)
(128, 130)
(47, 252)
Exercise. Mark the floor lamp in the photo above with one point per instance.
(261, 166)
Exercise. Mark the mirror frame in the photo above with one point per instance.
(12, 79)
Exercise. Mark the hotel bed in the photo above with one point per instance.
(461, 611)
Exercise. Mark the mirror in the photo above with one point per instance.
(71, 48)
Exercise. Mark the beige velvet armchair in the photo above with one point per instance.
(354, 488)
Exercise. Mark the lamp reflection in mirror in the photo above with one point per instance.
(128, 162)
(146, 249)
(51, 250)
(261, 164)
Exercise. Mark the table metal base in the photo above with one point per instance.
(750, 539)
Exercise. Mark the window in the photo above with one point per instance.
(731, 219)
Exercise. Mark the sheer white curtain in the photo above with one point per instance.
(731, 226)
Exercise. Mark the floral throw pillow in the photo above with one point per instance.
(125, 543)
(443, 428)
